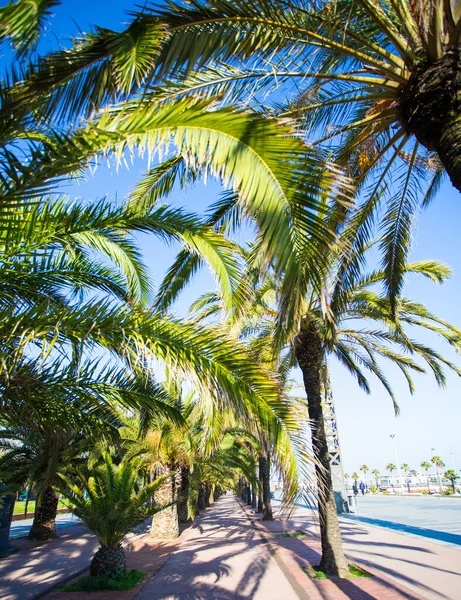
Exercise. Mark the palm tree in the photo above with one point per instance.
(374, 84)
(364, 469)
(391, 468)
(452, 476)
(111, 501)
(426, 466)
(304, 318)
(406, 469)
(376, 474)
(277, 439)
(42, 438)
(439, 464)
(355, 476)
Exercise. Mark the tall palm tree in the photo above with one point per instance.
(374, 81)
(391, 468)
(376, 474)
(406, 469)
(317, 325)
(426, 466)
(364, 469)
(439, 464)
(453, 477)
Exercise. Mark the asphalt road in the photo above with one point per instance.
(426, 512)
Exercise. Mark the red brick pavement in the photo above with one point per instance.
(144, 554)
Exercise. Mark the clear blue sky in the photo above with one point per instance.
(429, 419)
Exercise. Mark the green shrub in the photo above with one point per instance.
(124, 581)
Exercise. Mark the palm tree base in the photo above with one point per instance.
(108, 562)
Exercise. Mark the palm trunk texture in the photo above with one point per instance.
(109, 561)
(165, 524)
(308, 348)
(430, 108)
(183, 508)
(265, 475)
(44, 525)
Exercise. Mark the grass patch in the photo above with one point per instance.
(354, 570)
(126, 581)
(20, 505)
(289, 534)
(357, 571)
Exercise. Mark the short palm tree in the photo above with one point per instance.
(355, 476)
(111, 500)
(439, 464)
(452, 477)
(426, 466)
(391, 468)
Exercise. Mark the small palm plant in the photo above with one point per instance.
(111, 502)
(426, 466)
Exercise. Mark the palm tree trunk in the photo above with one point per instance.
(309, 354)
(201, 502)
(265, 471)
(260, 493)
(253, 497)
(183, 508)
(44, 525)
(109, 561)
(165, 524)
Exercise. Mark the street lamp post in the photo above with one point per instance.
(398, 463)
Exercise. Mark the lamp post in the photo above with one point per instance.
(452, 454)
(398, 462)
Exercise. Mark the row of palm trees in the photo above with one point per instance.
(82, 332)
(436, 461)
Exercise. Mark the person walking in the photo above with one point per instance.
(355, 489)
(362, 488)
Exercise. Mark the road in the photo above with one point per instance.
(21, 528)
(427, 516)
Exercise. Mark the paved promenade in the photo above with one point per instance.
(223, 559)
(429, 568)
(229, 554)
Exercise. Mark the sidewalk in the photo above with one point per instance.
(224, 558)
(428, 568)
(40, 566)
(229, 554)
